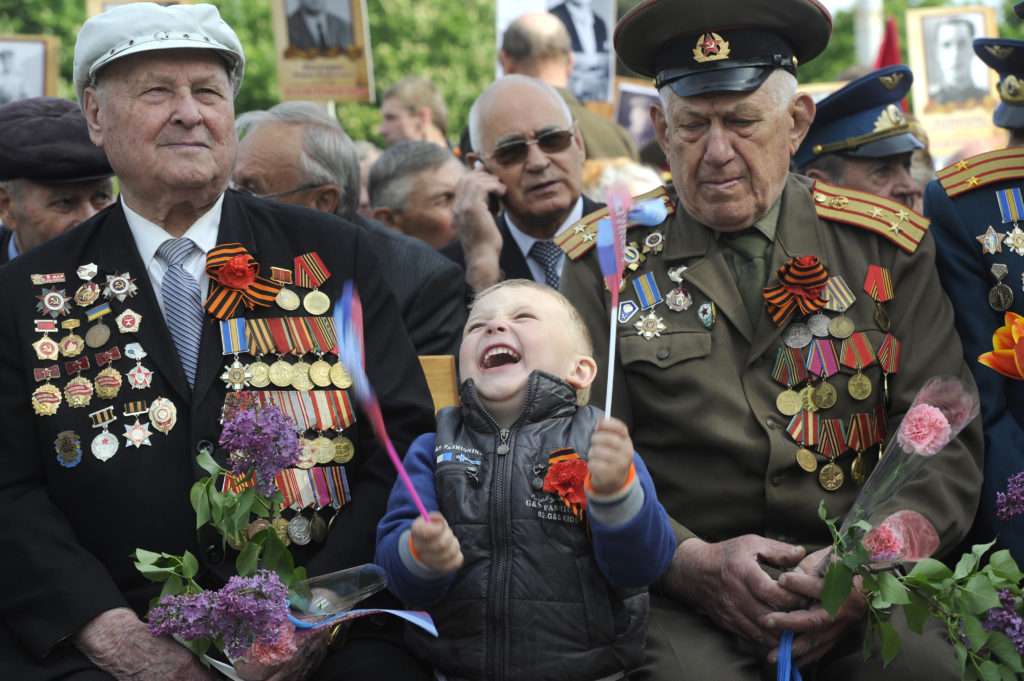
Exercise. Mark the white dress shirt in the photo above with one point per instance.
(525, 241)
(149, 236)
(583, 19)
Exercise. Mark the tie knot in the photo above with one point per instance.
(175, 251)
(749, 243)
(545, 252)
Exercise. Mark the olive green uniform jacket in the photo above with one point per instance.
(602, 138)
(700, 403)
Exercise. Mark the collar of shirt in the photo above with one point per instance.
(525, 242)
(148, 237)
(12, 248)
(768, 224)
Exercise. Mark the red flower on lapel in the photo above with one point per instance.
(565, 478)
(238, 272)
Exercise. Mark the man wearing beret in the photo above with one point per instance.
(860, 138)
(51, 174)
(976, 207)
(98, 442)
(719, 367)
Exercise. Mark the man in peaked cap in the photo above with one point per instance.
(88, 475)
(52, 176)
(976, 208)
(712, 350)
(860, 138)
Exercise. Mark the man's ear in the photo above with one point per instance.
(660, 123)
(91, 109)
(507, 65)
(326, 199)
(583, 373)
(384, 215)
(802, 111)
(424, 117)
(5, 209)
(817, 174)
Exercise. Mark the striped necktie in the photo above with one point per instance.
(183, 304)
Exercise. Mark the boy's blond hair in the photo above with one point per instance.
(578, 327)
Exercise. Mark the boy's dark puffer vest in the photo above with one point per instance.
(529, 578)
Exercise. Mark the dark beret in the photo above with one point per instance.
(45, 139)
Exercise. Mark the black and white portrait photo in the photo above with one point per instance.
(956, 77)
(633, 110)
(323, 25)
(22, 69)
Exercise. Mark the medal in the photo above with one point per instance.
(324, 341)
(234, 340)
(856, 353)
(825, 396)
(120, 286)
(675, 274)
(819, 324)
(163, 414)
(137, 434)
(300, 376)
(318, 528)
(650, 326)
(627, 310)
(72, 344)
(797, 335)
(139, 378)
(98, 335)
(280, 526)
(300, 530)
(260, 343)
(838, 298)
(128, 321)
(89, 292)
(789, 371)
(647, 293)
(108, 381)
(286, 298)
(707, 313)
(46, 398)
(281, 373)
(340, 377)
(79, 390)
(654, 242)
(878, 285)
(831, 443)
(632, 257)
(105, 444)
(344, 450)
(806, 459)
(320, 373)
(678, 299)
(805, 429)
(889, 360)
(823, 362)
(46, 348)
(324, 450)
(50, 278)
(260, 372)
(69, 448)
(830, 477)
(310, 272)
(807, 399)
(1014, 240)
(307, 455)
(1000, 296)
(991, 241)
(861, 436)
(54, 302)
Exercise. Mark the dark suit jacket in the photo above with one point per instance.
(339, 33)
(429, 288)
(5, 241)
(71, 531)
(600, 29)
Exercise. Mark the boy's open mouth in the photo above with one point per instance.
(499, 355)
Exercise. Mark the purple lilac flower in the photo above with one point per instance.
(1011, 503)
(1006, 620)
(262, 440)
(246, 610)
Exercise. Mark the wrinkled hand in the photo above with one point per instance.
(476, 228)
(436, 544)
(312, 648)
(725, 579)
(815, 630)
(119, 643)
(611, 455)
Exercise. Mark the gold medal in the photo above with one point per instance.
(72, 344)
(323, 450)
(287, 299)
(300, 376)
(859, 386)
(280, 526)
(46, 399)
(320, 373)
(46, 348)
(841, 327)
(316, 302)
(236, 375)
(859, 469)
(260, 374)
(108, 383)
(281, 373)
(78, 392)
(806, 459)
(807, 399)
(340, 377)
(830, 477)
(307, 454)
(344, 450)
(87, 294)
(825, 396)
(97, 335)
(788, 402)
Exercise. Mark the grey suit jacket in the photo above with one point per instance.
(339, 33)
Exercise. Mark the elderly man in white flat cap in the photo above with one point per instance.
(91, 471)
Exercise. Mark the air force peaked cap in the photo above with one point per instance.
(45, 139)
(124, 30)
(1006, 57)
(706, 46)
(862, 119)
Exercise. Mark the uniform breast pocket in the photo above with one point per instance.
(665, 350)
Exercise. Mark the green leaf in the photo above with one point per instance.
(217, 504)
(892, 589)
(206, 462)
(1006, 651)
(1008, 674)
(248, 558)
(276, 556)
(975, 632)
(916, 612)
(890, 643)
(199, 495)
(980, 550)
(822, 511)
(989, 671)
(189, 566)
(863, 525)
(145, 557)
(961, 657)
(838, 582)
(979, 596)
(1003, 564)
(928, 571)
(965, 565)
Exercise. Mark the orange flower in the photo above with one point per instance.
(1007, 356)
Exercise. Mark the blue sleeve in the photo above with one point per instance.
(414, 588)
(648, 533)
(965, 275)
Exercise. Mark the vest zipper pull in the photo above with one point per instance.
(503, 437)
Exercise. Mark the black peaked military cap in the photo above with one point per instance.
(704, 46)
(1006, 57)
(45, 139)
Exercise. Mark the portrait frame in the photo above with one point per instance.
(340, 68)
(94, 7)
(821, 89)
(32, 59)
(633, 100)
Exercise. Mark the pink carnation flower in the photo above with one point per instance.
(905, 536)
(884, 543)
(279, 651)
(924, 430)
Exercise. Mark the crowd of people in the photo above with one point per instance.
(695, 540)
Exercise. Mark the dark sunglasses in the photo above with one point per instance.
(516, 150)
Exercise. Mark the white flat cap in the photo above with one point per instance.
(143, 26)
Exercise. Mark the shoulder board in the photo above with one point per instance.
(903, 226)
(978, 171)
(577, 241)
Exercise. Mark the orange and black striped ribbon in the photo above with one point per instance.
(801, 283)
(258, 333)
(878, 283)
(856, 352)
(889, 354)
(310, 271)
(323, 333)
(222, 301)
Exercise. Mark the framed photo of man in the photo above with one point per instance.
(28, 66)
(633, 101)
(94, 7)
(589, 24)
(822, 89)
(323, 50)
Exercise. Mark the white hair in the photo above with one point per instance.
(495, 88)
(781, 85)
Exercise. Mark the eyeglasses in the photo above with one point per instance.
(277, 195)
(516, 150)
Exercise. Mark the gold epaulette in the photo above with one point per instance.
(903, 226)
(576, 241)
(978, 171)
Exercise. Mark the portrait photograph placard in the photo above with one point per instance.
(633, 101)
(28, 66)
(323, 50)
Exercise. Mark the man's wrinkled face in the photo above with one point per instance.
(428, 210)
(38, 212)
(166, 121)
(729, 153)
(888, 177)
(398, 123)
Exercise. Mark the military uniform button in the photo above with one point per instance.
(204, 447)
(663, 353)
(770, 423)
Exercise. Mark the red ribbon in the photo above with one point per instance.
(76, 365)
(111, 355)
(46, 373)
(801, 283)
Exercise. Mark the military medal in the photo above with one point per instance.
(889, 360)
(46, 348)
(98, 335)
(340, 377)
(789, 371)
(286, 298)
(819, 324)
(233, 340)
(49, 278)
(120, 286)
(707, 313)
(324, 340)
(678, 299)
(801, 284)
(310, 272)
(797, 335)
(344, 450)
(831, 443)
(277, 330)
(105, 444)
(69, 448)
(324, 449)
(675, 274)
(1000, 296)
(302, 342)
(54, 302)
(109, 380)
(318, 528)
(46, 398)
(878, 285)
(823, 362)
(991, 241)
(163, 414)
(632, 257)
(300, 530)
(805, 429)
(806, 459)
(856, 353)
(654, 242)
(838, 298)
(128, 321)
(627, 310)
(1014, 240)
(861, 436)
(89, 292)
(72, 344)
(307, 455)
(650, 326)
(648, 295)
(280, 527)
(79, 390)
(261, 343)
(139, 378)
(137, 434)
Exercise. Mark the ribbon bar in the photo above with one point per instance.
(111, 355)
(878, 283)
(76, 365)
(46, 373)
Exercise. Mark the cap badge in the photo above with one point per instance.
(710, 47)
(1010, 90)
(890, 118)
(891, 81)
(999, 51)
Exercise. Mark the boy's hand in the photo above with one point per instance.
(611, 455)
(435, 544)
